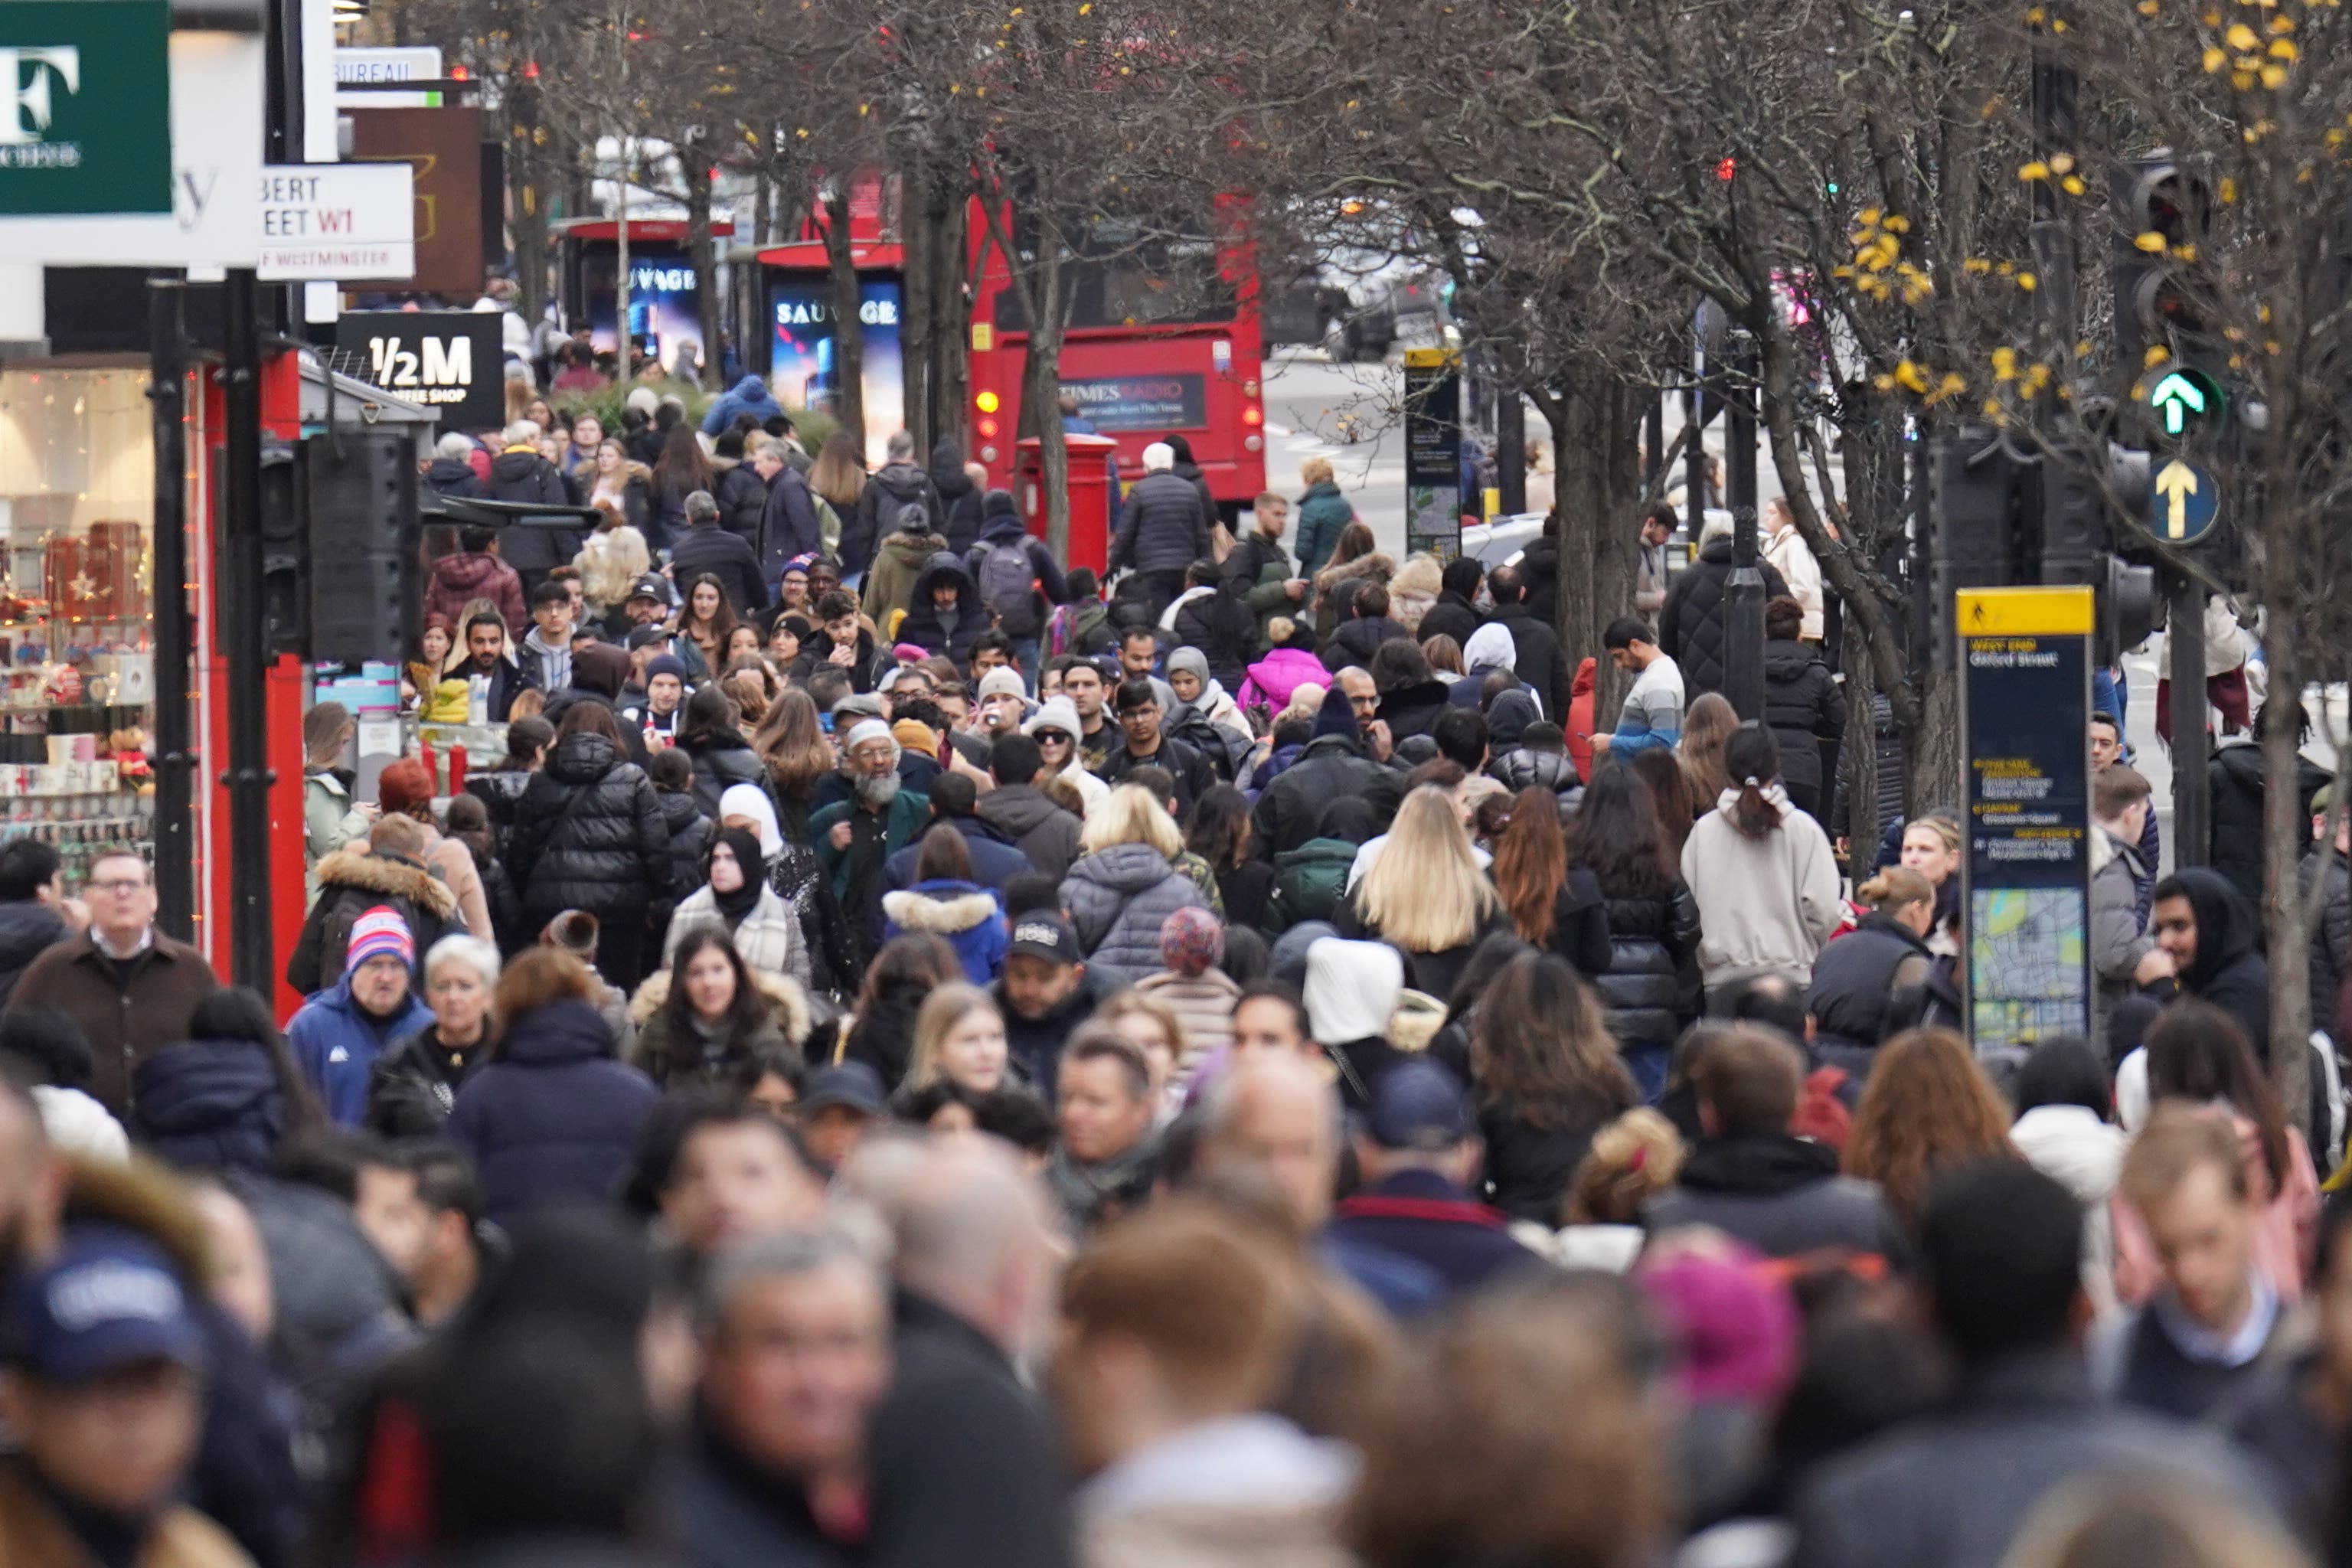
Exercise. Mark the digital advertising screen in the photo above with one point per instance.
(1119, 404)
(664, 306)
(801, 367)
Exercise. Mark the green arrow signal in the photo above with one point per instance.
(2177, 397)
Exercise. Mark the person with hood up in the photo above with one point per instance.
(1216, 1478)
(1763, 873)
(337, 1036)
(1190, 678)
(1412, 592)
(552, 1120)
(1802, 705)
(1529, 753)
(1162, 530)
(2065, 1129)
(391, 873)
(1124, 888)
(1023, 583)
(945, 902)
(2211, 934)
(1455, 613)
(2238, 785)
(1857, 977)
(1273, 681)
(735, 899)
(1490, 648)
(1693, 628)
(450, 472)
(901, 559)
(960, 501)
(227, 1098)
(944, 614)
(476, 572)
(893, 489)
(1333, 767)
(519, 474)
(750, 395)
(590, 834)
(1412, 697)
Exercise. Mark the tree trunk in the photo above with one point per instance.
(918, 352)
(949, 376)
(704, 254)
(1596, 430)
(1858, 757)
(848, 326)
(2285, 833)
(527, 201)
(1044, 392)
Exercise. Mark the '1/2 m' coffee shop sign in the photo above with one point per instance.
(85, 107)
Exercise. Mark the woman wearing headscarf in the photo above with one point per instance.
(735, 897)
(799, 879)
(1489, 648)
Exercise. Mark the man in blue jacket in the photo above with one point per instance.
(749, 395)
(339, 1033)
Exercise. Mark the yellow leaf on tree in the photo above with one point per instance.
(2151, 242)
(2240, 37)
(2283, 50)
(2274, 76)
(2027, 281)
(2004, 364)
(2037, 170)
(1912, 377)
(2072, 185)
(2155, 356)
(2227, 191)
(2062, 163)
(2215, 58)
(1978, 265)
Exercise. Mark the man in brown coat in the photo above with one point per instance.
(130, 988)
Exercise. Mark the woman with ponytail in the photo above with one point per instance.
(1762, 871)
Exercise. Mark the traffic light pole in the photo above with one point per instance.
(1743, 622)
(2192, 800)
(252, 951)
(167, 350)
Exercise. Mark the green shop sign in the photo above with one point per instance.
(85, 107)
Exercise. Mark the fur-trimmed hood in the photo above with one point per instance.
(389, 876)
(1412, 592)
(1378, 567)
(940, 909)
(786, 1001)
(145, 1197)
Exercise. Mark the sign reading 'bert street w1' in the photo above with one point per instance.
(85, 107)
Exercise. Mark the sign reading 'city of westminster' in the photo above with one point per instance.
(85, 107)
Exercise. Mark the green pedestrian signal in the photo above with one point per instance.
(2180, 399)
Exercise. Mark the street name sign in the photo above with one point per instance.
(341, 222)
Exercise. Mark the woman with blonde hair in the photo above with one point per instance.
(1928, 1109)
(798, 753)
(617, 480)
(1632, 1160)
(1126, 884)
(1412, 592)
(838, 476)
(1323, 514)
(1857, 977)
(960, 1037)
(611, 561)
(1425, 894)
(1707, 723)
(1445, 656)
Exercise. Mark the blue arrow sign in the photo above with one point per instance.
(2185, 501)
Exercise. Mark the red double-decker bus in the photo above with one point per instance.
(1164, 340)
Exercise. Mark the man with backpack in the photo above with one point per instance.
(1018, 578)
(897, 485)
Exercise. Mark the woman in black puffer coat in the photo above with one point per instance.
(1803, 707)
(707, 733)
(1650, 989)
(590, 834)
(1857, 977)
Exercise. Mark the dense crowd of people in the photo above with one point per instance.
(912, 1059)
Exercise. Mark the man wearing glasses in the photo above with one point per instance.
(130, 988)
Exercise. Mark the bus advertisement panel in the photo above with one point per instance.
(801, 367)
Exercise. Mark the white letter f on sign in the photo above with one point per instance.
(28, 109)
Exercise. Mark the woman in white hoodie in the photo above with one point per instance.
(1762, 872)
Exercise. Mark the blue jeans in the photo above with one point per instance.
(1025, 653)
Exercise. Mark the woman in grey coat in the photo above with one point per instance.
(1126, 885)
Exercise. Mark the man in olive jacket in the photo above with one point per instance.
(132, 988)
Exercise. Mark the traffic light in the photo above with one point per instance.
(1975, 493)
(2163, 211)
(363, 575)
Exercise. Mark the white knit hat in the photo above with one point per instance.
(866, 730)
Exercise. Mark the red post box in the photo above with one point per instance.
(1094, 501)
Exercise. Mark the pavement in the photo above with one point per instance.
(1350, 415)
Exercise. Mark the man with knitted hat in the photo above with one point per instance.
(855, 837)
(337, 1035)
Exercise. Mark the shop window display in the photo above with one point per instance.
(77, 504)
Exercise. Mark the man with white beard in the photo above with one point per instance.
(855, 836)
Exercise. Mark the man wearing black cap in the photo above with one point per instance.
(647, 606)
(839, 1104)
(1044, 991)
(1420, 1153)
(103, 1390)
